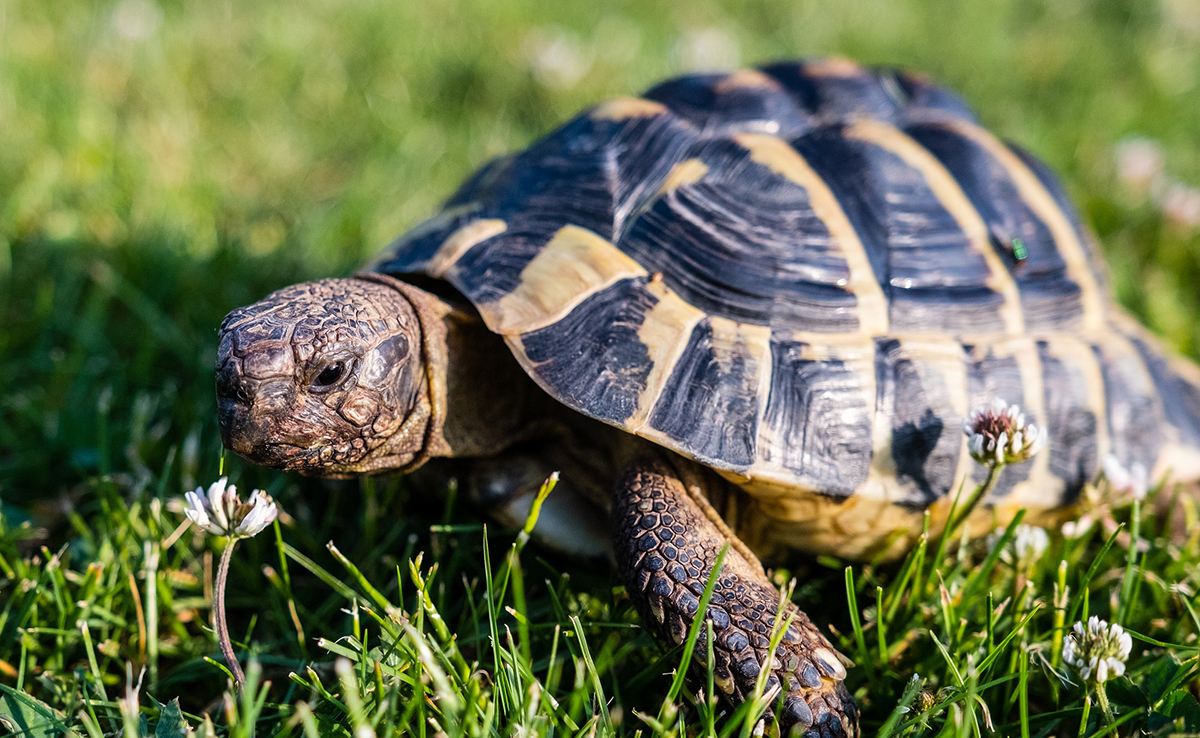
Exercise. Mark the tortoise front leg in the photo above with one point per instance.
(667, 538)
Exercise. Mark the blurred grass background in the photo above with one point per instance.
(164, 162)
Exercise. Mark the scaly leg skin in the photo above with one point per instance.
(667, 538)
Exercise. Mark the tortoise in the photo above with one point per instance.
(780, 291)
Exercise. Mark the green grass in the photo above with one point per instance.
(163, 163)
(479, 636)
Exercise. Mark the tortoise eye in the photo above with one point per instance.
(330, 375)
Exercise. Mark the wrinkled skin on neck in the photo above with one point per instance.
(325, 378)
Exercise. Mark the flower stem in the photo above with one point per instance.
(980, 492)
(1061, 595)
(1135, 532)
(1104, 705)
(239, 677)
(1083, 719)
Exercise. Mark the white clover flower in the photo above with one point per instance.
(998, 434)
(222, 513)
(708, 49)
(557, 57)
(1078, 528)
(1097, 652)
(1134, 480)
(1028, 544)
(1181, 205)
(1140, 163)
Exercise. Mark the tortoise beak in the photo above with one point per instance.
(235, 404)
(246, 429)
(237, 432)
(251, 412)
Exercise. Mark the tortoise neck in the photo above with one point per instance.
(477, 399)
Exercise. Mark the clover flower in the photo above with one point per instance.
(1098, 651)
(998, 434)
(1079, 527)
(1140, 164)
(1133, 480)
(1028, 544)
(1181, 206)
(222, 513)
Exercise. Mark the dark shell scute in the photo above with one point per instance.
(1050, 298)
(933, 276)
(710, 402)
(1134, 411)
(756, 252)
(838, 95)
(1070, 420)
(926, 430)
(1180, 399)
(590, 173)
(592, 358)
(818, 420)
(717, 108)
(927, 100)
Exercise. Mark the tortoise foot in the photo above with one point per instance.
(667, 539)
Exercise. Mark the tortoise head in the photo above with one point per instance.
(324, 378)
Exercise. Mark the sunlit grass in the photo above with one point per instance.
(163, 163)
(465, 633)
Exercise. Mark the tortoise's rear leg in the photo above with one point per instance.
(667, 538)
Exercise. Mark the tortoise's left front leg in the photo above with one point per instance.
(667, 538)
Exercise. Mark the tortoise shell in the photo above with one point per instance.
(806, 276)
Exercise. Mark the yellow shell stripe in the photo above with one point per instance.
(460, 242)
(573, 265)
(1042, 203)
(664, 333)
(668, 325)
(779, 157)
(958, 387)
(686, 172)
(833, 66)
(746, 79)
(438, 222)
(624, 108)
(948, 192)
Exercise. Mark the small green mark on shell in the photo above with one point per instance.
(1019, 250)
